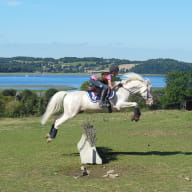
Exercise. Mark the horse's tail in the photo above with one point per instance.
(54, 105)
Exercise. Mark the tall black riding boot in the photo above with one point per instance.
(102, 99)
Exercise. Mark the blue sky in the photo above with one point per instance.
(124, 29)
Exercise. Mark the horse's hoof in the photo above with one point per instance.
(49, 140)
(134, 118)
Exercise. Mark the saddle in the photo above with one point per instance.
(94, 94)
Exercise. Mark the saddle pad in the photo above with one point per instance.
(94, 97)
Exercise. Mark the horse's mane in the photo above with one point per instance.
(134, 76)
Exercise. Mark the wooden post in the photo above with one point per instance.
(86, 146)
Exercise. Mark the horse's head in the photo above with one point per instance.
(136, 84)
(146, 94)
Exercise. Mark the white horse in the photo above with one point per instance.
(77, 101)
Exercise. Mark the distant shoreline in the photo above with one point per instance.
(70, 74)
(44, 73)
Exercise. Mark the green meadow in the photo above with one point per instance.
(151, 155)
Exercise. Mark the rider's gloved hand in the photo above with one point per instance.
(120, 85)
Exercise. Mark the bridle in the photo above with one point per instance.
(148, 95)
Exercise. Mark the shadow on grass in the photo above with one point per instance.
(107, 154)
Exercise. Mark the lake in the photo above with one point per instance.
(39, 82)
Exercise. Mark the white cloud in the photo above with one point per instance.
(14, 3)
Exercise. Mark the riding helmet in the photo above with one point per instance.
(114, 69)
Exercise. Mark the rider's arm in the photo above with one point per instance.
(110, 85)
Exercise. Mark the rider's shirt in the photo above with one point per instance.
(104, 77)
(94, 77)
(107, 77)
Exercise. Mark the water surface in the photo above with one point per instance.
(37, 82)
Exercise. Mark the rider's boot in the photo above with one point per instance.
(102, 102)
(109, 107)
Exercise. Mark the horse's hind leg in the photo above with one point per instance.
(52, 133)
(54, 128)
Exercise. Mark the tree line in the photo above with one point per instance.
(88, 64)
(14, 103)
(161, 66)
(51, 65)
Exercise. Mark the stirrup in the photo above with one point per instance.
(110, 109)
(104, 104)
(101, 104)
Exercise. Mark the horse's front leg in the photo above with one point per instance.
(137, 113)
(125, 104)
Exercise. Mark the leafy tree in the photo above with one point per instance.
(49, 93)
(29, 102)
(116, 79)
(84, 86)
(157, 94)
(161, 66)
(2, 105)
(137, 98)
(9, 92)
(6, 108)
(13, 108)
(43, 100)
(178, 89)
(189, 85)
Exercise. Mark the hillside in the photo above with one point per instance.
(161, 66)
(89, 65)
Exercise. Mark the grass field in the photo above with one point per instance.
(152, 155)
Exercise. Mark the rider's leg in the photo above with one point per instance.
(96, 83)
(102, 102)
(104, 88)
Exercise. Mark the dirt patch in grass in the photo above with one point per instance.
(95, 172)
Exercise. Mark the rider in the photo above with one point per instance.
(105, 83)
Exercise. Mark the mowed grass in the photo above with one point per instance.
(154, 154)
